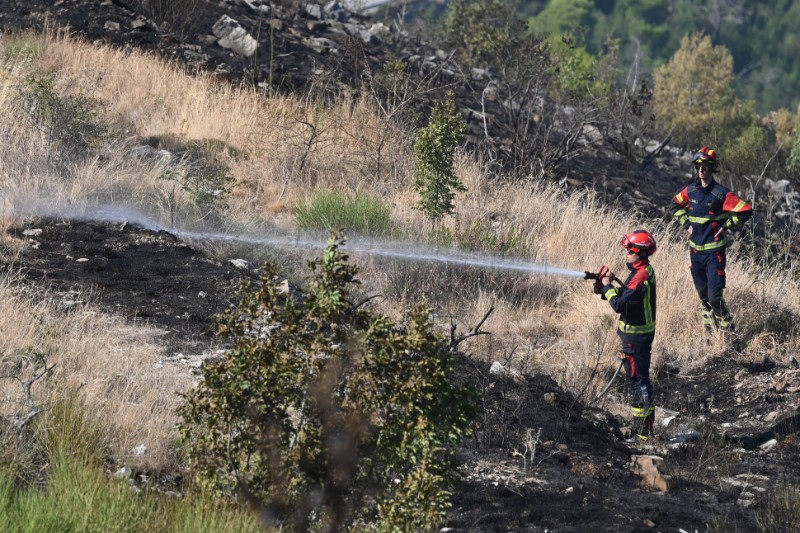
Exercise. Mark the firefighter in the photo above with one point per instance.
(635, 301)
(707, 210)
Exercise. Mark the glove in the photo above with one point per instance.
(597, 288)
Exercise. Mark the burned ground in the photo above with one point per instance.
(574, 475)
(150, 277)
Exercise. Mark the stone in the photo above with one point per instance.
(232, 36)
(122, 473)
(768, 446)
(242, 264)
(647, 468)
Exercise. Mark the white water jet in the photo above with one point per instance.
(393, 249)
(389, 249)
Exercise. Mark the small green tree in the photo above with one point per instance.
(434, 172)
(479, 28)
(693, 92)
(327, 415)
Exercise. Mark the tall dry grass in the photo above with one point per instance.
(115, 366)
(288, 147)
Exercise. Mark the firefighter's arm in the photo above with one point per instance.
(738, 211)
(632, 291)
(679, 203)
(619, 297)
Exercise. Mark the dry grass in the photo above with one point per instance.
(113, 365)
(283, 149)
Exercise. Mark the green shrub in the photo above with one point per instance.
(325, 413)
(575, 71)
(749, 152)
(333, 210)
(692, 91)
(434, 174)
(479, 28)
(208, 181)
(69, 122)
(794, 155)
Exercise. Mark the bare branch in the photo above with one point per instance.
(454, 342)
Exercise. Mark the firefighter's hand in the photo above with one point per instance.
(608, 278)
(689, 231)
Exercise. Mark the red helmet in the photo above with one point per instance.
(706, 155)
(640, 242)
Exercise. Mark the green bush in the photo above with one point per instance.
(434, 174)
(208, 181)
(335, 211)
(794, 156)
(748, 153)
(576, 73)
(327, 414)
(69, 122)
(693, 92)
(479, 28)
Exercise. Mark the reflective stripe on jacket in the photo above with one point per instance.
(635, 301)
(706, 210)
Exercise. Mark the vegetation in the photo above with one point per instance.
(650, 32)
(480, 29)
(434, 168)
(334, 211)
(321, 407)
(692, 91)
(78, 496)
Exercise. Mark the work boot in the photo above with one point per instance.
(646, 430)
(643, 419)
(708, 321)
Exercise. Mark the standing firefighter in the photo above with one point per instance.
(635, 302)
(707, 210)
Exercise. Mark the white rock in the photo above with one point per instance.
(139, 450)
(240, 263)
(768, 446)
(232, 36)
(122, 473)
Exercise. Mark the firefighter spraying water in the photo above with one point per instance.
(635, 301)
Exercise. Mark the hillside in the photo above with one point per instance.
(136, 296)
(728, 429)
(316, 49)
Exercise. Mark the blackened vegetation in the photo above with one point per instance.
(150, 277)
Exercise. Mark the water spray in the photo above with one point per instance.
(392, 249)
